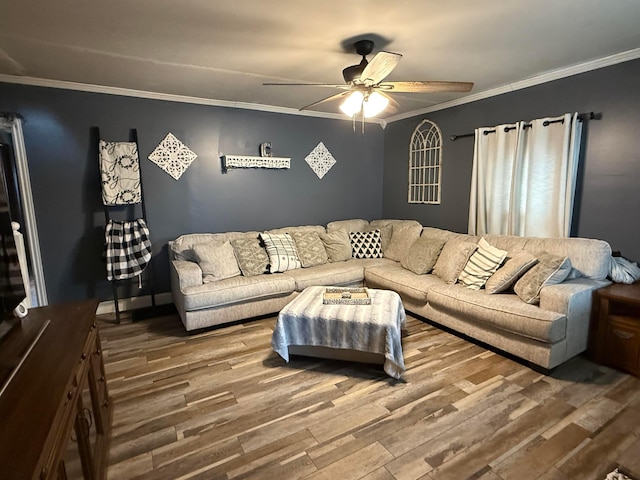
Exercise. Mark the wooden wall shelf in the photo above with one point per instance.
(248, 161)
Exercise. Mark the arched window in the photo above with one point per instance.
(425, 163)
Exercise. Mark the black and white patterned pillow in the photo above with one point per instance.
(366, 244)
(282, 252)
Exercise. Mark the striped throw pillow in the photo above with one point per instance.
(481, 265)
(282, 252)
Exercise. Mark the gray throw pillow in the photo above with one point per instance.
(516, 264)
(423, 255)
(337, 245)
(452, 259)
(251, 256)
(216, 260)
(550, 270)
(311, 250)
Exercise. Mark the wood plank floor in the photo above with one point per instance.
(222, 405)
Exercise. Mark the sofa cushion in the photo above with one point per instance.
(341, 274)
(516, 264)
(182, 247)
(310, 248)
(353, 225)
(216, 260)
(423, 255)
(405, 233)
(237, 290)
(481, 265)
(503, 311)
(453, 258)
(366, 244)
(298, 229)
(282, 252)
(550, 270)
(251, 256)
(407, 284)
(337, 245)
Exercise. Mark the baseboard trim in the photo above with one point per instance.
(134, 303)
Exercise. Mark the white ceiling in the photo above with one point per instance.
(224, 50)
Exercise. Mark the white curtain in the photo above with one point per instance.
(524, 178)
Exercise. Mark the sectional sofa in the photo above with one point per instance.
(546, 330)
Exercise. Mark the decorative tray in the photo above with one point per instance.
(346, 296)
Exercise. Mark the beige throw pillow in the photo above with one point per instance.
(216, 260)
(550, 270)
(452, 259)
(481, 265)
(311, 250)
(514, 267)
(251, 256)
(402, 237)
(423, 255)
(337, 245)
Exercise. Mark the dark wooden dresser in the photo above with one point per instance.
(57, 401)
(614, 335)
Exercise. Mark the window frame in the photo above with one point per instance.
(425, 164)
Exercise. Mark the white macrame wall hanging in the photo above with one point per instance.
(172, 156)
(320, 160)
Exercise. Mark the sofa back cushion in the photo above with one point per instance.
(299, 229)
(354, 225)
(182, 247)
(589, 257)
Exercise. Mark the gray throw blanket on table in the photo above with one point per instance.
(374, 328)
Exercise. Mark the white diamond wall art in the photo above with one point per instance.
(172, 156)
(320, 160)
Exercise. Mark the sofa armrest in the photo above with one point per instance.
(573, 298)
(187, 273)
(570, 295)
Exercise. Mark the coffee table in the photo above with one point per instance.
(370, 333)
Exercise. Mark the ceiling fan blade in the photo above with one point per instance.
(324, 100)
(417, 87)
(379, 67)
(330, 85)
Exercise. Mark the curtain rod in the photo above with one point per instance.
(581, 117)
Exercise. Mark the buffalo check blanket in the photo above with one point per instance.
(128, 248)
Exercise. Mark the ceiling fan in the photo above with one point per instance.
(366, 92)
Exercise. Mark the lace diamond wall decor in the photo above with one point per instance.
(320, 160)
(172, 156)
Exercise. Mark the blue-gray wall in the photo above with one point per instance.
(62, 155)
(61, 147)
(608, 197)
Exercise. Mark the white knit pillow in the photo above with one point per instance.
(481, 265)
(282, 252)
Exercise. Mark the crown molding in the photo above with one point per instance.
(168, 97)
(511, 87)
(528, 82)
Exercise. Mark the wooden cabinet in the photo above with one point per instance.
(57, 400)
(614, 335)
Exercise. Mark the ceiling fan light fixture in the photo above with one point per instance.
(375, 104)
(353, 103)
